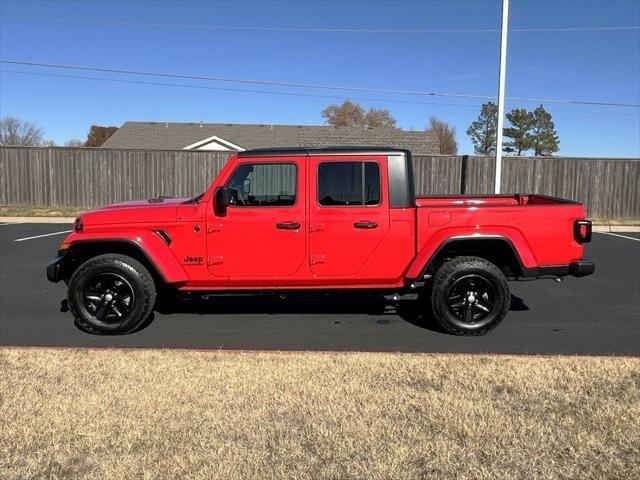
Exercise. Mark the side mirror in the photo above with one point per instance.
(223, 198)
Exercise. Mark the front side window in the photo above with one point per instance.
(263, 185)
(348, 183)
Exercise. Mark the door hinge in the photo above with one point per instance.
(215, 260)
(317, 259)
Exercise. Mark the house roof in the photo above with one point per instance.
(177, 136)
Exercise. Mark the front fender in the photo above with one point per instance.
(439, 239)
(148, 243)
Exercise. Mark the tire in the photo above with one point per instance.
(470, 296)
(111, 294)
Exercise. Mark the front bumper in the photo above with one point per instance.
(56, 267)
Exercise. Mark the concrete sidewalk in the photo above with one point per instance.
(616, 228)
(37, 219)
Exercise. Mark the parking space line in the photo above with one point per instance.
(40, 236)
(9, 223)
(621, 236)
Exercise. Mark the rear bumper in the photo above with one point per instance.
(581, 269)
(55, 268)
(575, 269)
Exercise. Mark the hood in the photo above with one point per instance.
(139, 211)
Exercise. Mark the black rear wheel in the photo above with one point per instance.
(111, 294)
(470, 296)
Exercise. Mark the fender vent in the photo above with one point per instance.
(164, 235)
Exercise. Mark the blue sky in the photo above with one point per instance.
(593, 66)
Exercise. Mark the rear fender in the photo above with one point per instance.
(442, 238)
(148, 243)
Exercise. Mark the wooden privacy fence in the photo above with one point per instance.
(89, 177)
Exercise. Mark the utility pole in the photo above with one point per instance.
(501, 85)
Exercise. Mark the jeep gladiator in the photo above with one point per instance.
(319, 219)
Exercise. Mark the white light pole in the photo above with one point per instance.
(501, 82)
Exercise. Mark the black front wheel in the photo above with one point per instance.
(470, 296)
(111, 294)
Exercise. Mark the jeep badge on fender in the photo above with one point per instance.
(189, 259)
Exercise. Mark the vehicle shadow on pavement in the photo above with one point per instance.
(274, 304)
(417, 313)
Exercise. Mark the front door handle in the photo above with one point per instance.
(288, 226)
(365, 225)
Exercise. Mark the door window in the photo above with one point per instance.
(348, 183)
(263, 185)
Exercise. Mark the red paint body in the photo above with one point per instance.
(241, 248)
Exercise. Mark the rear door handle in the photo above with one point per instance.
(288, 226)
(365, 225)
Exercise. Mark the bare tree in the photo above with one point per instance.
(74, 143)
(351, 114)
(16, 132)
(446, 136)
(379, 118)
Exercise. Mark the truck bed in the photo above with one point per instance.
(489, 200)
(536, 224)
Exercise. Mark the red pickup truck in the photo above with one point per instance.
(323, 219)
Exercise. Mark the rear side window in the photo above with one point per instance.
(348, 183)
(263, 185)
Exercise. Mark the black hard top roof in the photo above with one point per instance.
(276, 151)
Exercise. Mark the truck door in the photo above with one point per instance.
(348, 212)
(262, 234)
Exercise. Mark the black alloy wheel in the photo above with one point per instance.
(470, 296)
(109, 297)
(111, 294)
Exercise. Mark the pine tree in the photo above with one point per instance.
(544, 138)
(519, 132)
(483, 130)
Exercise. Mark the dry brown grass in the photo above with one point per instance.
(175, 414)
(40, 211)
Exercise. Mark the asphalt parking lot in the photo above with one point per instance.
(596, 315)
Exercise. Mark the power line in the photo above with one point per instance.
(205, 87)
(327, 29)
(240, 90)
(310, 85)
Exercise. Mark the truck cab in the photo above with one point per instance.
(338, 218)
